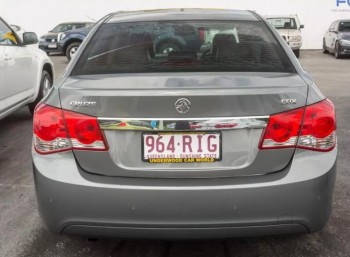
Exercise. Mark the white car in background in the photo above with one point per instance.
(26, 72)
(289, 28)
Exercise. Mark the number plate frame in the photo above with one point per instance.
(50, 46)
(182, 133)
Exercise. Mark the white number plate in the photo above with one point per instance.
(181, 147)
(52, 46)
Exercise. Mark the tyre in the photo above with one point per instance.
(337, 53)
(45, 86)
(168, 47)
(297, 53)
(72, 49)
(324, 48)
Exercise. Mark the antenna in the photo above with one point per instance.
(90, 18)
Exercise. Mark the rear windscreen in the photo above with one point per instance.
(181, 46)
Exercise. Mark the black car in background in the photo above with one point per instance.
(49, 41)
(71, 40)
(337, 38)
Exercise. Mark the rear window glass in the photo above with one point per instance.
(182, 46)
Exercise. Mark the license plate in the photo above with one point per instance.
(52, 46)
(181, 147)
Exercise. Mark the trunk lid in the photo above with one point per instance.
(145, 101)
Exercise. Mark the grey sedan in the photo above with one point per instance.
(229, 137)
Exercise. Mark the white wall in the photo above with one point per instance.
(41, 16)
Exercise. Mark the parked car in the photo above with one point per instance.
(26, 73)
(116, 151)
(49, 41)
(71, 40)
(289, 28)
(337, 39)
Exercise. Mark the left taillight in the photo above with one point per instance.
(57, 130)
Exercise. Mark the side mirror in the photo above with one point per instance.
(302, 26)
(29, 38)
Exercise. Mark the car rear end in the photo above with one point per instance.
(232, 141)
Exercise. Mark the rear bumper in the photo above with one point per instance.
(296, 200)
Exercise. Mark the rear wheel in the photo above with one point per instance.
(337, 53)
(324, 48)
(72, 49)
(45, 86)
(297, 53)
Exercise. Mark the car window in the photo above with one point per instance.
(79, 26)
(182, 46)
(65, 27)
(344, 26)
(6, 35)
(283, 23)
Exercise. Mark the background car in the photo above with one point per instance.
(26, 72)
(69, 41)
(49, 41)
(289, 28)
(337, 39)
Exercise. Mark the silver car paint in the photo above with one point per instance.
(297, 199)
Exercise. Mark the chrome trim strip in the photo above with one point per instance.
(184, 124)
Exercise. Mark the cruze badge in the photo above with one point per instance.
(82, 104)
(183, 105)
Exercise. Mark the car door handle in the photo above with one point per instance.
(6, 58)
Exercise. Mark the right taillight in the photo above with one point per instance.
(312, 127)
(319, 126)
(57, 130)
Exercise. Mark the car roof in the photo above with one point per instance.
(76, 22)
(280, 16)
(183, 14)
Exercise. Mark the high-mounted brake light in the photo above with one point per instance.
(312, 127)
(57, 130)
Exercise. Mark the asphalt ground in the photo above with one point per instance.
(22, 233)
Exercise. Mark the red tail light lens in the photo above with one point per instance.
(312, 127)
(57, 130)
(283, 130)
(84, 131)
(319, 127)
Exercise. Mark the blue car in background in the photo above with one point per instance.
(69, 41)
